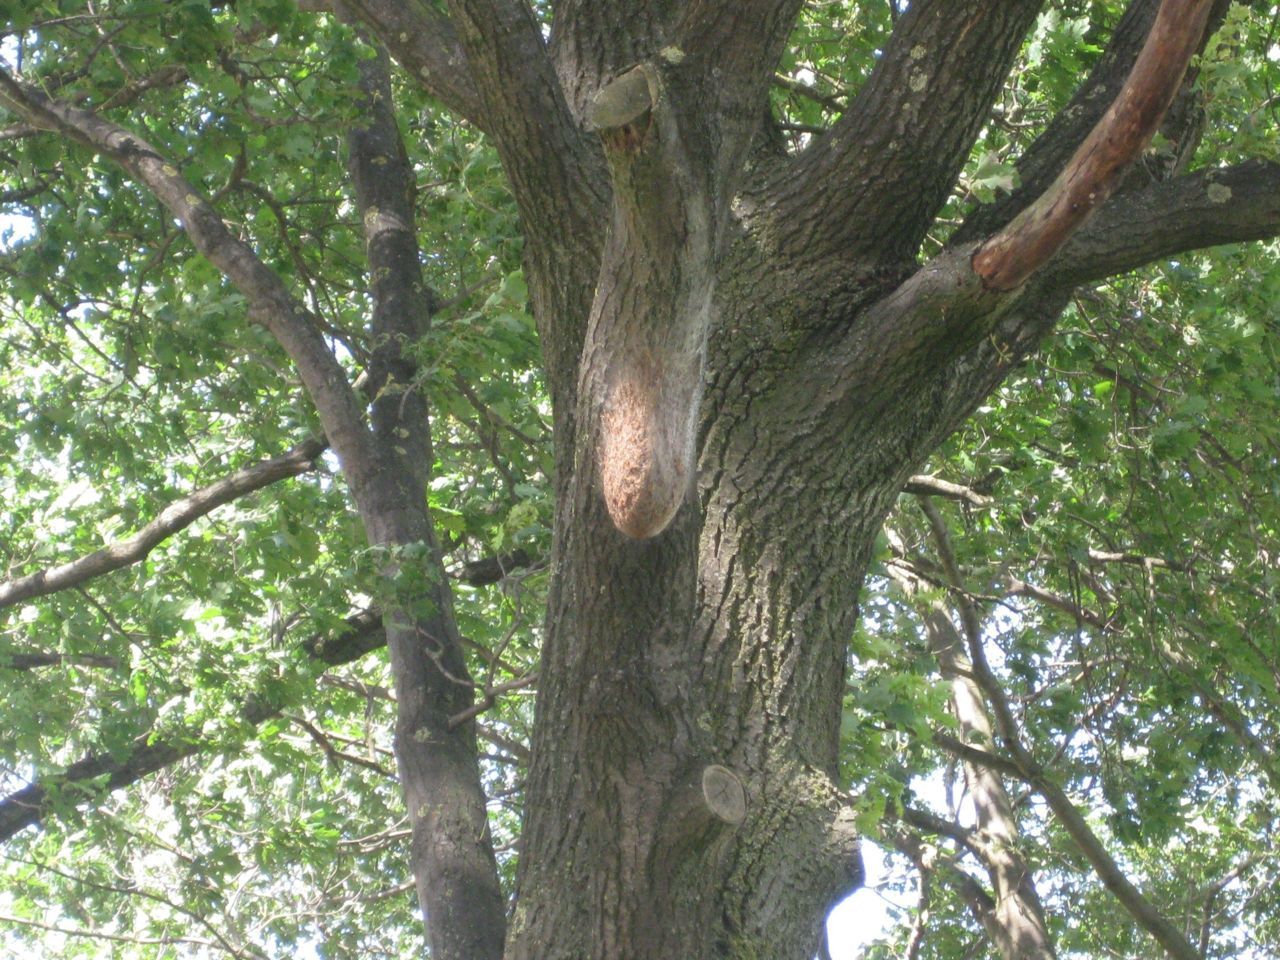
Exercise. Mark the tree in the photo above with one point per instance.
(756, 323)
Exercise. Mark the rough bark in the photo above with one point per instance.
(424, 42)
(929, 96)
(833, 367)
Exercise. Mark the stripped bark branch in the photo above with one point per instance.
(1006, 260)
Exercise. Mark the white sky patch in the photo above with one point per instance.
(14, 229)
(864, 915)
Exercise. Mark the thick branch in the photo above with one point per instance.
(586, 43)
(1113, 877)
(1020, 930)
(548, 157)
(176, 516)
(872, 186)
(1204, 209)
(733, 48)
(425, 43)
(1007, 259)
(557, 176)
(452, 852)
(971, 892)
(487, 570)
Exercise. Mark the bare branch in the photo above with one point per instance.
(336, 755)
(103, 935)
(935, 486)
(1173, 940)
(176, 516)
(1020, 588)
(130, 889)
(1113, 877)
(1007, 259)
(1028, 770)
(971, 892)
(1019, 928)
(490, 697)
(971, 754)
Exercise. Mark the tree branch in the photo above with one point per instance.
(1007, 259)
(525, 110)
(487, 570)
(979, 902)
(1028, 770)
(148, 753)
(269, 301)
(935, 486)
(1173, 940)
(1045, 158)
(1019, 930)
(970, 754)
(1113, 877)
(453, 859)
(176, 516)
(425, 43)
(32, 661)
(1020, 588)
(557, 175)
(895, 154)
(1210, 207)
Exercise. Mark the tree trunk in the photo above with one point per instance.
(719, 641)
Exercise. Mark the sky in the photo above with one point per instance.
(864, 915)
